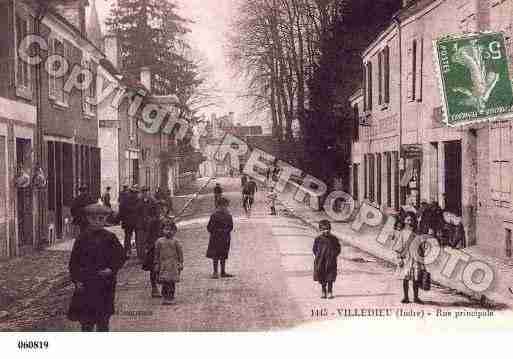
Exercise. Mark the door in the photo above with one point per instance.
(24, 213)
(453, 180)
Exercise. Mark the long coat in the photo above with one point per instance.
(93, 251)
(219, 227)
(168, 259)
(127, 210)
(326, 249)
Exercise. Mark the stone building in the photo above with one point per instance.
(466, 170)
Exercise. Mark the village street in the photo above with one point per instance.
(272, 287)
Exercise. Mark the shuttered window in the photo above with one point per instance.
(500, 163)
(387, 75)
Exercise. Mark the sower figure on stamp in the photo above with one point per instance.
(95, 260)
(326, 249)
(220, 227)
(409, 265)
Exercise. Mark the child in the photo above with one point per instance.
(168, 261)
(326, 249)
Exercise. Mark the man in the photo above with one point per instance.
(218, 192)
(248, 195)
(143, 211)
(220, 226)
(95, 260)
(243, 181)
(77, 207)
(106, 198)
(128, 216)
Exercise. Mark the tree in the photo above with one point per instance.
(151, 34)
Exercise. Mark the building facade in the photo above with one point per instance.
(402, 151)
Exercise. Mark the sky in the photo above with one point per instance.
(211, 21)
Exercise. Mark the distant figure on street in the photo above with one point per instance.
(272, 196)
(220, 227)
(243, 181)
(218, 192)
(153, 232)
(95, 260)
(326, 249)
(128, 216)
(248, 195)
(168, 261)
(106, 198)
(123, 193)
(77, 207)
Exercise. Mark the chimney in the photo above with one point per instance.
(146, 77)
(112, 50)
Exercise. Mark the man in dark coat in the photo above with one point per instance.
(95, 260)
(154, 232)
(146, 205)
(220, 227)
(326, 249)
(128, 216)
(77, 207)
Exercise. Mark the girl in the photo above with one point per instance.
(326, 249)
(168, 261)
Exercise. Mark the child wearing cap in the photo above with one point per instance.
(168, 261)
(326, 249)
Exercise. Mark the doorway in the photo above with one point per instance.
(453, 180)
(24, 214)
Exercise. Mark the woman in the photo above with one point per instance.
(96, 258)
(408, 267)
(220, 227)
(158, 214)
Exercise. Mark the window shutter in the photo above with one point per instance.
(380, 77)
(409, 77)
(419, 65)
(387, 74)
(369, 84)
(414, 66)
(364, 85)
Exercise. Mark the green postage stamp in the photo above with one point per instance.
(474, 77)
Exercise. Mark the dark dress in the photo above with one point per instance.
(219, 227)
(93, 251)
(326, 249)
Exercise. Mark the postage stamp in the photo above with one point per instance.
(474, 77)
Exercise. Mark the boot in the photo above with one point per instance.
(405, 290)
(416, 298)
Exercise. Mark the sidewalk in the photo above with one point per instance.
(366, 239)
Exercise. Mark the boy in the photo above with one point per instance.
(168, 261)
(326, 249)
(272, 201)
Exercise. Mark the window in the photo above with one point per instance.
(386, 74)
(414, 69)
(371, 177)
(148, 177)
(500, 166)
(378, 177)
(388, 157)
(365, 176)
(23, 83)
(356, 129)
(380, 78)
(56, 84)
(369, 86)
(415, 53)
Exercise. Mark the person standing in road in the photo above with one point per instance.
(168, 261)
(326, 249)
(106, 198)
(77, 207)
(128, 217)
(153, 234)
(144, 209)
(408, 267)
(272, 196)
(220, 226)
(248, 195)
(95, 260)
(218, 192)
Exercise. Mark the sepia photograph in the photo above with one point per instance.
(255, 167)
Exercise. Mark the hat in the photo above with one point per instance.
(134, 188)
(83, 187)
(168, 222)
(223, 201)
(324, 224)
